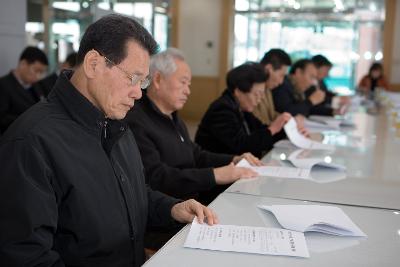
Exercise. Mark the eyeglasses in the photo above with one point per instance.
(135, 79)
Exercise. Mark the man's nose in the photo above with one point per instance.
(136, 93)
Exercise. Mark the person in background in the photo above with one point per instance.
(275, 63)
(290, 97)
(375, 78)
(45, 85)
(173, 164)
(72, 187)
(16, 91)
(332, 100)
(229, 125)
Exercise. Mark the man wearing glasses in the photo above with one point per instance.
(72, 188)
(16, 91)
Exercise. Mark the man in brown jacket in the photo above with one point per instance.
(276, 63)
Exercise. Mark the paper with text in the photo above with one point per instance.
(259, 240)
(277, 171)
(300, 140)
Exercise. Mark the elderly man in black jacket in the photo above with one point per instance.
(173, 163)
(72, 188)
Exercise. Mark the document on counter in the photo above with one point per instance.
(300, 140)
(335, 122)
(318, 126)
(277, 171)
(258, 240)
(299, 159)
(314, 218)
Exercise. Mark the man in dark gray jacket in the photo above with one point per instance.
(72, 189)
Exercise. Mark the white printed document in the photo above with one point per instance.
(300, 140)
(325, 120)
(314, 218)
(334, 122)
(276, 171)
(259, 240)
(299, 159)
(318, 126)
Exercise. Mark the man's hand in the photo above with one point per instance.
(253, 160)
(317, 97)
(184, 212)
(300, 125)
(230, 173)
(277, 125)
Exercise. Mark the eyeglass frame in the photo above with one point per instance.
(144, 83)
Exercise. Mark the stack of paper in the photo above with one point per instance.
(259, 240)
(300, 140)
(334, 122)
(324, 219)
(299, 161)
(329, 122)
(277, 171)
(314, 125)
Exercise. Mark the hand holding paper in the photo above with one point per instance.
(277, 171)
(301, 141)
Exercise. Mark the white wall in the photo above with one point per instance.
(12, 33)
(395, 69)
(199, 23)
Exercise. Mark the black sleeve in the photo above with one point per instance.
(28, 207)
(159, 212)
(6, 118)
(204, 158)
(321, 110)
(172, 181)
(224, 123)
(284, 102)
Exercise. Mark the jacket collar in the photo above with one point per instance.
(79, 107)
(153, 108)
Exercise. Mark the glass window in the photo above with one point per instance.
(348, 33)
(68, 20)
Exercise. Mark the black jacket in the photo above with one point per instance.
(226, 129)
(46, 84)
(324, 108)
(72, 190)
(173, 163)
(286, 100)
(15, 99)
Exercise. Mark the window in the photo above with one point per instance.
(348, 33)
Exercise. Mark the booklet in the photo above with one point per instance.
(277, 171)
(258, 240)
(300, 140)
(334, 122)
(299, 159)
(315, 218)
(318, 126)
(329, 124)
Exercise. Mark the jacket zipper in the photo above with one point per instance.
(105, 129)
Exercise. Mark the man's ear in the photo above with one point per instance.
(156, 80)
(91, 63)
(268, 68)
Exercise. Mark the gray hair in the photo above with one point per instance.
(164, 63)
